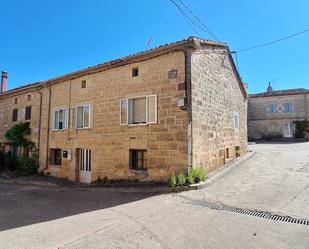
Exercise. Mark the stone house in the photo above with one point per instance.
(144, 116)
(273, 113)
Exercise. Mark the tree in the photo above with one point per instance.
(301, 127)
(17, 135)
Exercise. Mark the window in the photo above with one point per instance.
(138, 110)
(138, 159)
(29, 97)
(237, 151)
(14, 115)
(28, 113)
(60, 119)
(83, 84)
(236, 121)
(15, 101)
(227, 153)
(288, 107)
(135, 72)
(56, 156)
(272, 108)
(83, 116)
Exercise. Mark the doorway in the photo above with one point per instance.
(84, 165)
(287, 130)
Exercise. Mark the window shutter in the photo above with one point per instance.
(124, 112)
(80, 117)
(152, 109)
(56, 120)
(86, 116)
(65, 119)
(73, 121)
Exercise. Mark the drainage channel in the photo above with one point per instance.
(260, 214)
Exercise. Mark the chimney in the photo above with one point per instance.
(4, 82)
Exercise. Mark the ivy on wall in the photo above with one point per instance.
(17, 135)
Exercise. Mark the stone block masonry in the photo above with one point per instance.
(85, 129)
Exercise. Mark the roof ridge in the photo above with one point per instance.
(190, 39)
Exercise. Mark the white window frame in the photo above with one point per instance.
(128, 110)
(290, 109)
(236, 127)
(275, 107)
(66, 117)
(90, 115)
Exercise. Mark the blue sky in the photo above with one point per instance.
(40, 39)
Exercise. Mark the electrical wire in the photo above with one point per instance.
(205, 28)
(273, 42)
(186, 17)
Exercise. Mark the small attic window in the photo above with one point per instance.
(15, 101)
(83, 84)
(29, 97)
(135, 72)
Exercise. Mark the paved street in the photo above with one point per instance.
(275, 179)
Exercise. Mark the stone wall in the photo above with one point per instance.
(263, 123)
(110, 142)
(20, 101)
(216, 95)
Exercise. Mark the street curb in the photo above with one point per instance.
(213, 176)
(222, 171)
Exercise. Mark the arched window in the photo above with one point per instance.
(272, 108)
(288, 107)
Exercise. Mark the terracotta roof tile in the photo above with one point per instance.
(190, 39)
(280, 93)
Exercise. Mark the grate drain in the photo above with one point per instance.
(260, 214)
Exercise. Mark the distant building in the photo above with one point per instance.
(144, 116)
(272, 113)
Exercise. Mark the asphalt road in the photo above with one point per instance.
(275, 179)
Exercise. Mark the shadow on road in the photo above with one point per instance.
(26, 205)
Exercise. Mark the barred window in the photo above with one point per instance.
(138, 159)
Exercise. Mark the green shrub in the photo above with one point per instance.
(27, 166)
(181, 179)
(9, 162)
(198, 174)
(301, 127)
(173, 181)
(190, 179)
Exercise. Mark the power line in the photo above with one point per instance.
(272, 42)
(186, 17)
(199, 20)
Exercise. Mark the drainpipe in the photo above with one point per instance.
(69, 110)
(40, 123)
(48, 122)
(187, 54)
